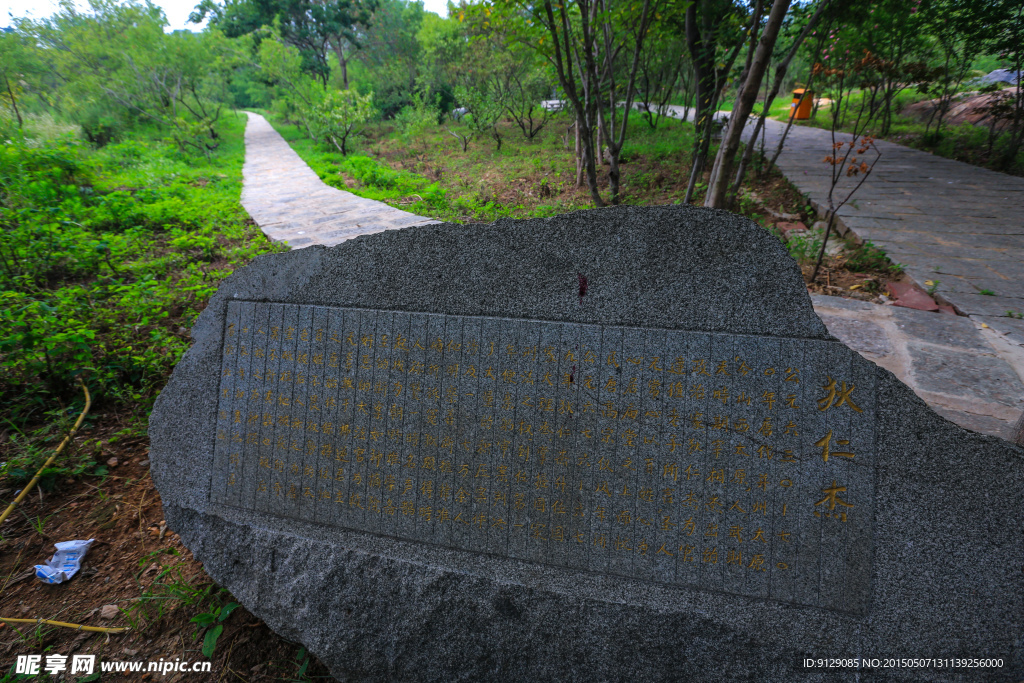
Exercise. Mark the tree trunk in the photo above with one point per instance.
(579, 157)
(727, 151)
(780, 75)
(342, 62)
(14, 102)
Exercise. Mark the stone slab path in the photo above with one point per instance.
(958, 226)
(970, 375)
(291, 204)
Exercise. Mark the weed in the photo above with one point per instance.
(1012, 314)
(933, 286)
(212, 624)
(986, 292)
(867, 257)
(804, 248)
(37, 523)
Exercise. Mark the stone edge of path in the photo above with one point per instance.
(968, 374)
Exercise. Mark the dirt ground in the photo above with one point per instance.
(135, 564)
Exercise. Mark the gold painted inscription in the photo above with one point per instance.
(720, 462)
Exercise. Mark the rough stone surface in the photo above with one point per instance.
(861, 336)
(943, 547)
(946, 372)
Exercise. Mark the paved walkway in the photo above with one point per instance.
(970, 375)
(290, 203)
(957, 225)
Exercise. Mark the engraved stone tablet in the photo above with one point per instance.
(437, 442)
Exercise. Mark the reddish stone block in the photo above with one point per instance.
(787, 227)
(909, 296)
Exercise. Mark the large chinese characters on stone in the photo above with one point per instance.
(724, 462)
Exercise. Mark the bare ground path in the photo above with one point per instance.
(290, 203)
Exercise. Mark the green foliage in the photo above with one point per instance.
(106, 257)
(867, 257)
(28, 449)
(116, 67)
(211, 624)
(170, 589)
(416, 120)
(486, 108)
(337, 117)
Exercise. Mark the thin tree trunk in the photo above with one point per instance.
(342, 62)
(14, 102)
(780, 75)
(792, 117)
(579, 157)
(727, 151)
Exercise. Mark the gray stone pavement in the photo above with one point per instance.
(968, 374)
(957, 225)
(290, 203)
(944, 221)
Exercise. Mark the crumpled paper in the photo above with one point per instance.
(65, 563)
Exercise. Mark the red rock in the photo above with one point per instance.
(909, 296)
(786, 227)
(947, 309)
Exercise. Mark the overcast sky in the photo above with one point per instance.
(177, 11)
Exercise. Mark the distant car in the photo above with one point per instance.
(457, 114)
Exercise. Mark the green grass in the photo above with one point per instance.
(432, 176)
(107, 257)
(779, 106)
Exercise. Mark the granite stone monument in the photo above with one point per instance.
(611, 445)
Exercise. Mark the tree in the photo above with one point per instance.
(391, 59)
(781, 71)
(117, 59)
(1008, 42)
(17, 61)
(711, 27)
(316, 28)
(337, 116)
(663, 61)
(594, 48)
(719, 181)
(485, 109)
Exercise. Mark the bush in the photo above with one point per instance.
(106, 256)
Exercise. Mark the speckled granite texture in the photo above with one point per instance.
(948, 548)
